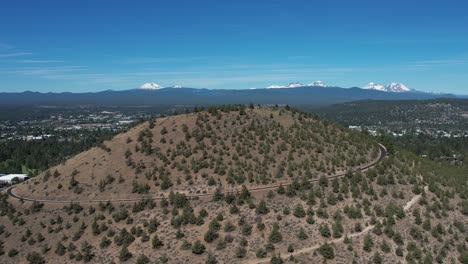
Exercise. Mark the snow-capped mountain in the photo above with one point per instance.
(398, 88)
(317, 84)
(298, 84)
(294, 85)
(291, 85)
(394, 87)
(150, 86)
(307, 95)
(374, 86)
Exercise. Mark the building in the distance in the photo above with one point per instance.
(12, 178)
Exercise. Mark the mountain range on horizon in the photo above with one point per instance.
(153, 94)
(395, 87)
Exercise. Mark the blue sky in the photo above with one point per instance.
(54, 46)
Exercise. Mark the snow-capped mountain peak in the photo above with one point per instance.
(394, 87)
(375, 86)
(150, 86)
(294, 85)
(276, 86)
(298, 84)
(397, 88)
(317, 84)
(177, 86)
(291, 85)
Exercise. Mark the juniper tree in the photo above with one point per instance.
(368, 243)
(198, 247)
(275, 235)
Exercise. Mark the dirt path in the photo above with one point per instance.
(311, 249)
(410, 203)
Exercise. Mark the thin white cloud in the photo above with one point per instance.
(37, 61)
(168, 73)
(441, 62)
(143, 60)
(410, 41)
(148, 60)
(16, 54)
(300, 57)
(45, 71)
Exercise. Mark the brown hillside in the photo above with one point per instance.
(389, 213)
(195, 153)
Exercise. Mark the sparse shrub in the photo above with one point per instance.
(310, 219)
(124, 254)
(105, 242)
(261, 253)
(211, 259)
(276, 259)
(302, 234)
(240, 252)
(142, 259)
(275, 235)
(186, 245)
(35, 258)
(124, 238)
(299, 211)
(324, 230)
(198, 247)
(327, 251)
(12, 253)
(262, 207)
(60, 249)
(156, 242)
(229, 226)
(368, 243)
(87, 251)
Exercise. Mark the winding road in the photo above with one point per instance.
(11, 193)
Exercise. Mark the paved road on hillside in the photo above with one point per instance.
(10, 191)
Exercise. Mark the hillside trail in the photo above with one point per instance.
(255, 190)
(310, 249)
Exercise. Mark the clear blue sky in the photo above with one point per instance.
(97, 45)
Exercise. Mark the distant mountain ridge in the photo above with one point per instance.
(150, 86)
(298, 84)
(394, 87)
(155, 86)
(177, 95)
